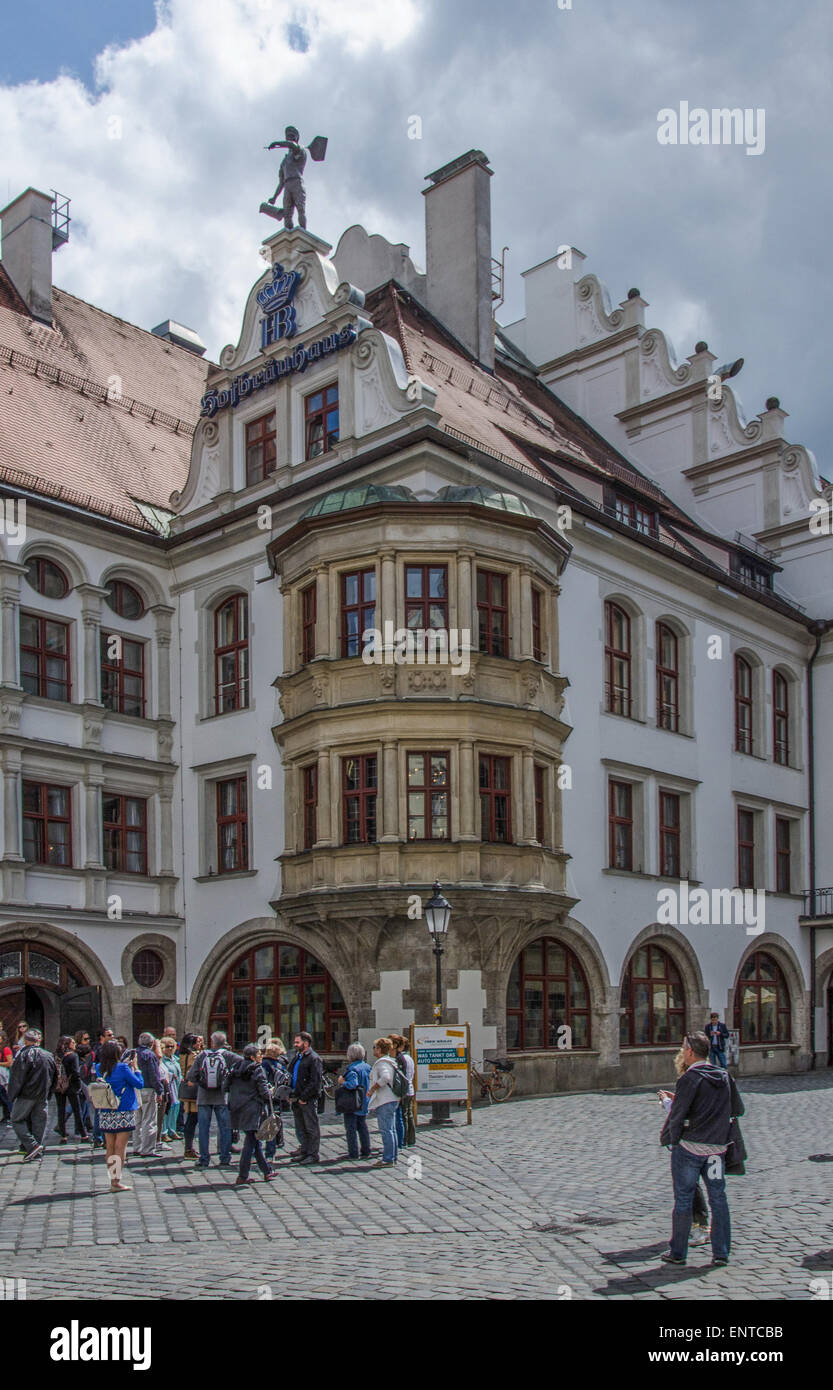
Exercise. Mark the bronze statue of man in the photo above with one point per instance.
(291, 180)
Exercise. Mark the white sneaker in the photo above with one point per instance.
(699, 1235)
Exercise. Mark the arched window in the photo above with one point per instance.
(780, 719)
(231, 654)
(618, 683)
(47, 577)
(762, 1001)
(285, 989)
(653, 1000)
(547, 988)
(743, 705)
(124, 599)
(668, 679)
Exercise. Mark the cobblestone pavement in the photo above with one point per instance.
(552, 1197)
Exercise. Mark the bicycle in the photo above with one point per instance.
(499, 1083)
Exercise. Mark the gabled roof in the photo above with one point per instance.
(94, 410)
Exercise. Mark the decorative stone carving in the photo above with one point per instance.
(321, 690)
(427, 680)
(387, 678)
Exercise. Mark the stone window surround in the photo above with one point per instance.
(765, 813)
(287, 399)
(389, 566)
(647, 783)
(86, 783)
(392, 793)
(685, 682)
(207, 601)
(208, 775)
(85, 653)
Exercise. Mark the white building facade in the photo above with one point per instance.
(222, 807)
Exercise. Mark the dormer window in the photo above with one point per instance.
(748, 572)
(636, 515)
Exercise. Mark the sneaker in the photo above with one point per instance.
(699, 1236)
(36, 1152)
(296, 1153)
(225, 1165)
(273, 1173)
(298, 1157)
(668, 1258)
(380, 1163)
(243, 1182)
(190, 1153)
(720, 1260)
(309, 1159)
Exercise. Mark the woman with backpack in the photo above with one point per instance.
(249, 1099)
(68, 1089)
(118, 1069)
(351, 1090)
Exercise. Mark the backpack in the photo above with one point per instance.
(399, 1084)
(62, 1084)
(214, 1071)
(102, 1096)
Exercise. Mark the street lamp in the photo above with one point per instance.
(437, 918)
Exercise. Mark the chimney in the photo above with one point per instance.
(183, 337)
(28, 239)
(458, 252)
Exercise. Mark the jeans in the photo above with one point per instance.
(355, 1127)
(71, 1098)
(251, 1145)
(686, 1168)
(717, 1058)
(204, 1113)
(400, 1126)
(190, 1128)
(29, 1122)
(386, 1115)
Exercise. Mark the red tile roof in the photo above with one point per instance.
(94, 410)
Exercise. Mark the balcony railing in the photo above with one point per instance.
(818, 902)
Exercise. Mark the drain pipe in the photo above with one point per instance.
(818, 629)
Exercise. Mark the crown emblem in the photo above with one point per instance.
(280, 291)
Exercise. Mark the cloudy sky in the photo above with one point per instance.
(153, 120)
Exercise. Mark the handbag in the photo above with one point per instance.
(269, 1127)
(62, 1083)
(736, 1155)
(349, 1099)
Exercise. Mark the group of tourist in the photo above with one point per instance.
(162, 1091)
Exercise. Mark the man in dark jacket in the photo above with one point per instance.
(307, 1072)
(31, 1083)
(717, 1033)
(144, 1135)
(214, 1065)
(697, 1132)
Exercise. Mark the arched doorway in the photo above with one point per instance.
(39, 985)
(285, 989)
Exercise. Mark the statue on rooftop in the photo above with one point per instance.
(291, 181)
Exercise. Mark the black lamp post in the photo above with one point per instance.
(437, 917)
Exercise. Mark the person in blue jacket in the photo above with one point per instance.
(126, 1081)
(357, 1073)
(717, 1033)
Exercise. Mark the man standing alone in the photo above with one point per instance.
(697, 1132)
(717, 1033)
(31, 1083)
(307, 1072)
